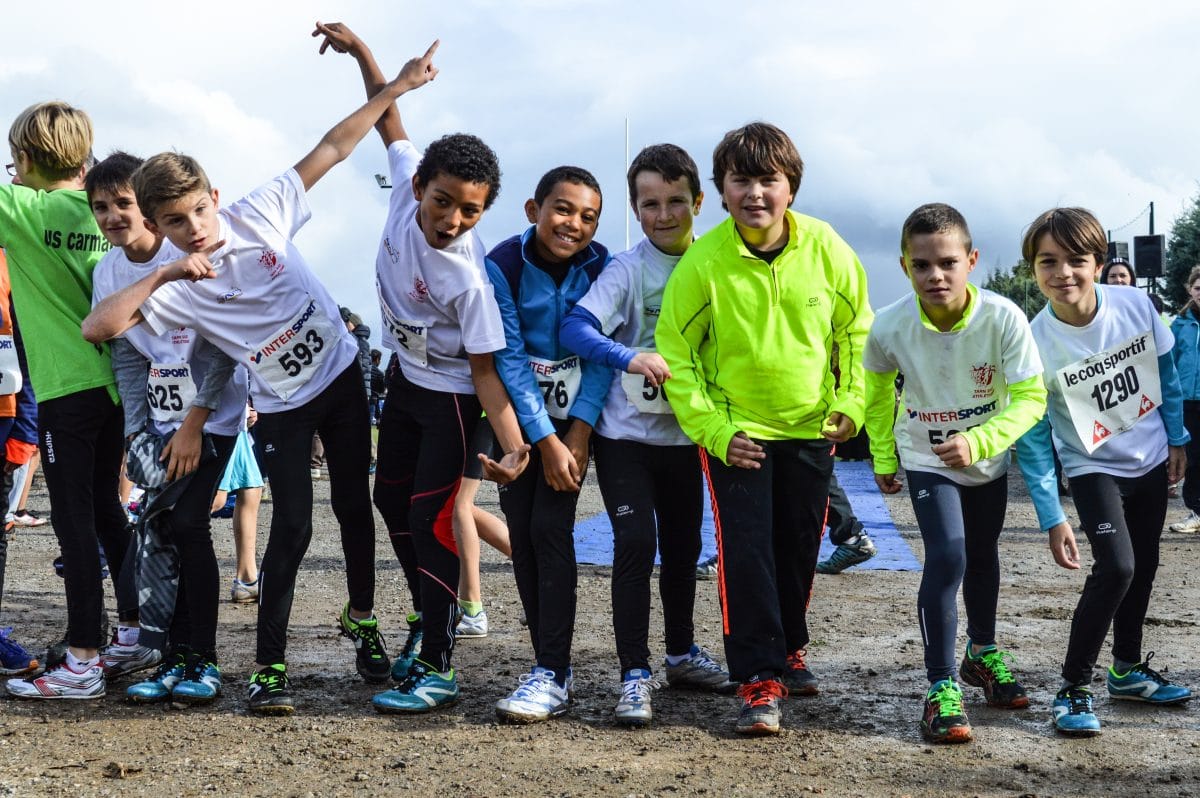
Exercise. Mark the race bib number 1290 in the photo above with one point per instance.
(1107, 393)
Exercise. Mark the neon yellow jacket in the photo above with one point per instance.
(749, 343)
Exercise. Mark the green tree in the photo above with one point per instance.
(1017, 283)
(1183, 252)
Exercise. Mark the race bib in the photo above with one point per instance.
(170, 391)
(10, 367)
(559, 381)
(1107, 393)
(642, 395)
(411, 336)
(287, 359)
(927, 427)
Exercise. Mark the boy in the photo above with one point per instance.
(53, 244)
(748, 320)
(972, 387)
(649, 471)
(177, 387)
(441, 320)
(245, 288)
(538, 277)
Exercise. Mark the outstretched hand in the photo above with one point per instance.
(419, 71)
(338, 37)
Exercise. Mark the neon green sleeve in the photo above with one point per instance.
(852, 317)
(1027, 405)
(881, 420)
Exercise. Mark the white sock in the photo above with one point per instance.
(127, 635)
(77, 664)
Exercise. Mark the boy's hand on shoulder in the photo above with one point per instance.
(838, 428)
(508, 468)
(418, 71)
(1063, 547)
(338, 37)
(194, 267)
(954, 452)
(651, 366)
(744, 453)
(558, 465)
(888, 483)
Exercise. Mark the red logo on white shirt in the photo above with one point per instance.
(271, 262)
(982, 375)
(1100, 432)
(1146, 406)
(420, 291)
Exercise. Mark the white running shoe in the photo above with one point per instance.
(1191, 524)
(634, 707)
(472, 625)
(61, 682)
(699, 672)
(243, 592)
(538, 697)
(118, 660)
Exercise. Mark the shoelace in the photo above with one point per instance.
(533, 683)
(796, 660)
(703, 659)
(763, 692)
(271, 679)
(636, 690)
(1080, 700)
(948, 700)
(997, 661)
(1144, 669)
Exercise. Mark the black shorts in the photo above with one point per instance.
(483, 442)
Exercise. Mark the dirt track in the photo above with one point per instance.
(857, 738)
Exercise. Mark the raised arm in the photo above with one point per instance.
(340, 141)
(341, 39)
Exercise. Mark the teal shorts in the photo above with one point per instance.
(242, 471)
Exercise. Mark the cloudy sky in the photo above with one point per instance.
(1001, 111)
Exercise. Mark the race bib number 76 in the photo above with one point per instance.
(1109, 392)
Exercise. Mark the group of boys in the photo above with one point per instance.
(681, 359)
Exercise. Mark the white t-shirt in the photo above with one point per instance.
(1123, 313)
(626, 298)
(437, 305)
(953, 381)
(174, 373)
(264, 308)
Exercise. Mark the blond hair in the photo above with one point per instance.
(56, 137)
(165, 178)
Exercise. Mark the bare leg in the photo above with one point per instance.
(467, 537)
(245, 532)
(492, 531)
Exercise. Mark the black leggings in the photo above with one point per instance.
(424, 441)
(339, 414)
(1122, 518)
(960, 527)
(1191, 475)
(541, 528)
(654, 499)
(81, 441)
(840, 519)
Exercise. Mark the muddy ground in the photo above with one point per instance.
(859, 737)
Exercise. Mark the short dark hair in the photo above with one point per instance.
(758, 148)
(1076, 230)
(668, 160)
(463, 156)
(1117, 261)
(933, 217)
(112, 174)
(566, 174)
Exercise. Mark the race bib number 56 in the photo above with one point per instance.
(291, 356)
(1109, 392)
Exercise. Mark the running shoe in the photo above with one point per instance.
(472, 625)
(538, 697)
(423, 690)
(201, 682)
(370, 655)
(61, 682)
(1073, 713)
(944, 720)
(798, 678)
(244, 592)
(119, 660)
(1190, 525)
(707, 569)
(761, 710)
(699, 672)
(270, 691)
(633, 709)
(1143, 683)
(408, 654)
(855, 551)
(28, 518)
(14, 659)
(990, 670)
(158, 686)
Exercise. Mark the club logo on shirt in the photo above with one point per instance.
(652, 311)
(229, 295)
(982, 376)
(181, 335)
(420, 292)
(271, 262)
(393, 254)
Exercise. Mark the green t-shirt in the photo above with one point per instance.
(53, 244)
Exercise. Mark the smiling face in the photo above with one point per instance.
(758, 205)
(190, 222)
(666, 210)
(937, 264)
(1066, 278)
(119, 218)
(1118, 274)
(565, 221)
(449, 207)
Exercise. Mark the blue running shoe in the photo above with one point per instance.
(1073, 715)
(14, 659)
(201, 682)
(158, 686)
(408, 655)
(424, 690)
(1143, 683)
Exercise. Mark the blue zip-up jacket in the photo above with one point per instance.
(1186, 353)
(532, 307)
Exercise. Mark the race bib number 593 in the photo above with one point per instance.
(291, 356)
(1107, 393)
